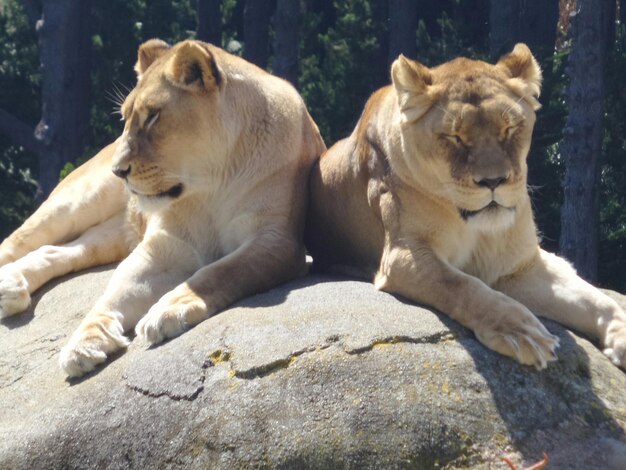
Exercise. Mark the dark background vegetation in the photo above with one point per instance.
(62, 62)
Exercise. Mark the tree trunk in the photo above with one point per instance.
(210, 21)
(610, 20)
(539, 25)
(504, 19)
(256, 22)
(65, 47)
(533, 22)
(402, 29)
(286, 41)
(582, 142)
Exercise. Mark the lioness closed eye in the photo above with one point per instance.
(428, 197)
(206, 189)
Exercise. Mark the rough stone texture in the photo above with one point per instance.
(321, 373)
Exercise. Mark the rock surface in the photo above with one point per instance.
(321, 373)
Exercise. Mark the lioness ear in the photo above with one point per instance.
(194, 67)
(148, 52)
(411, 81)
(525, 73)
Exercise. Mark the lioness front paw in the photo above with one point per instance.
(614, 344)
(174, 313)
(14, 295)
(517, 333)
(91, 343)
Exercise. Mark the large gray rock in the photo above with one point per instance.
(320, 373)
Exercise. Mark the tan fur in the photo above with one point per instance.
(405, 201)
(207, 206)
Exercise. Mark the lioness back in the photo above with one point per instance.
(344, 227)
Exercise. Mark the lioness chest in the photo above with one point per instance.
(201, 230)
(485, 254)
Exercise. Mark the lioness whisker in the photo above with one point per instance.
(117, 96)
(446, 112)
(182, 178)
(126, 88)
(114, 98)
(511, 106)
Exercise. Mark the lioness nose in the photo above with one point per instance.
(121, 172)
(491, 183)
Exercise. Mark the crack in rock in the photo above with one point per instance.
(224, 356)
(274, 366)
(432, 339)
(166, 393)
(266, 369)
(209, 362)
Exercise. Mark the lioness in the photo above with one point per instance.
(428, 198)
(205, 202)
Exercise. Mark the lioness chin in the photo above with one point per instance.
(201, 197)
(428, 198)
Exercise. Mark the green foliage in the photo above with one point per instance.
(444, 44)
(169, 20)
(19, 94)
(66, 170)
(17, 187)
(232, 25)
(343, 57)
(337, 65)
(545, 167)
(612, 237)
(455, 27)
(19, 64)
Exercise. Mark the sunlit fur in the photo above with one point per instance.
(207, 207)
(428, 198)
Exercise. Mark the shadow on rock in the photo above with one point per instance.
(573, 410)
(573, 404)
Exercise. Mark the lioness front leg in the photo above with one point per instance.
(550, 287)
(498, 321)
(137, 283)
(261, 263)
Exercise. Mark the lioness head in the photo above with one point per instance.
(172, 121)
(466, 129)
